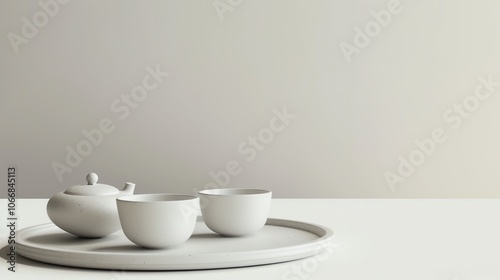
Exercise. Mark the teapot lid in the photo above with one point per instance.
(92, 188)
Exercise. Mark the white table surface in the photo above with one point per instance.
(374, 239)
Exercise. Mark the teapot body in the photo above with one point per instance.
(88, 211)
(84, 216)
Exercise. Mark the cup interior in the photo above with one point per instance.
(233, 191)
(156, 198)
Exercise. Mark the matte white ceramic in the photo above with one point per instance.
(88, 211)
(278, 241)
(234, 211)
(158, 221)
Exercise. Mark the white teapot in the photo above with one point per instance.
(88, 211)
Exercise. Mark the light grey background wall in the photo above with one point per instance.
(307, 98)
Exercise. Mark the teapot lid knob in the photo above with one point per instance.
(92, 178)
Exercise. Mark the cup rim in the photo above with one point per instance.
(156, 198)
(233, 192)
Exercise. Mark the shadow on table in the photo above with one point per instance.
(25, 261)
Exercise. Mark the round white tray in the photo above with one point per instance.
(278, 241)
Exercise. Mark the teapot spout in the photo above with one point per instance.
(129, 188)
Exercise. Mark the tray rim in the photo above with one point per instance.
(238, 259)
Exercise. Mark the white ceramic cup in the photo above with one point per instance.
(158, 221)
(235, 212)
